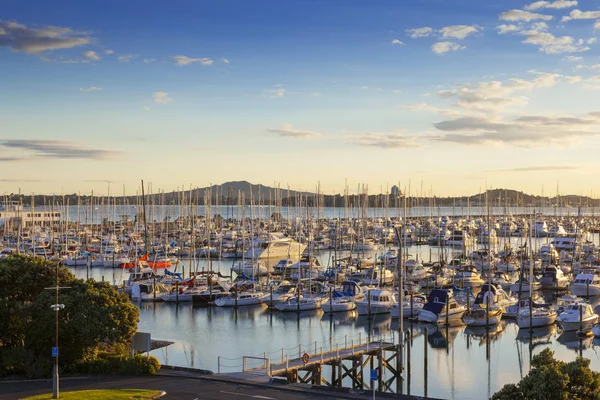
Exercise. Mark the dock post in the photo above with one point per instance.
(339, 367)
(219, 365)
(315, 347)
(299, 351)
(282, 354)
(408, 366)
(271, 296)
(176, 292)
(425, 361)
(154, 286)
(369, 302)
(330, 301)
(345, 341)
(380, 370)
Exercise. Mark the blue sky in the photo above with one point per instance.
(454, 95)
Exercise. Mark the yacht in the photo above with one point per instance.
(377, 301)
(276, 245)
(282, 266)
(438, 303)
(468, 276)
(554, 278)
(251, 269)
(148, 291)
(243, 299)
(568, 242)
(578, 316)
(481, 316)
(378, 277)
(536, 317)
(524, 286)
(586, 284)
(411, 305)
(460, 238)
(548, 253)
(304, 303)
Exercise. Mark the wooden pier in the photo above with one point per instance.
(347, 361)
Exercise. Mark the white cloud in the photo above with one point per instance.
(573, 58)
(149, 60)
(127, 57)
(550, 44)
(184, 60)
(596, 25)
(92, 55)
(20, 37)
(558, 4)
(502, 29)
(577, 14)
(444, 47)
(90, 89)
(162, 97)
(420, 32)
(146, 108)
(593, 66)
(289, 131)
(393, 139)
(108, 52)
(458, 31)
(495, 96)
(397, 42)
(277, 91)
(591, 40)
(520, 15)
(224, 60)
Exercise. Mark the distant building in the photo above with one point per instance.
(395, 192)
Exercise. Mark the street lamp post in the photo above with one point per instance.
(55, 386)
(56, 307)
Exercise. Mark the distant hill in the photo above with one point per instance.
(235, 192)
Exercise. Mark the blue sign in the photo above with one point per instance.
(373, 374)
(55, 352)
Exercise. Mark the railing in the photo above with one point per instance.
(314, 350)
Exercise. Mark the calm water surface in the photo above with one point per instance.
(464, 363)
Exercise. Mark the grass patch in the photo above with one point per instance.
(117, 394)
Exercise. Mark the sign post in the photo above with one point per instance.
(373, 380)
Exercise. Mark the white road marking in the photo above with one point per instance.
(255, 396)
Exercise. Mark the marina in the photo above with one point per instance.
(265, 328)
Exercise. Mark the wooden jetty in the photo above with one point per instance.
(347, 361)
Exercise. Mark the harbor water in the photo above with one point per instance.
(464, 362)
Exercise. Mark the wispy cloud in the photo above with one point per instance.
(185, 60)
(162, 97)
(289, 131)
(558, 4)
(225, 60)
(53, 149)
(526, 16)
(397, 42)
(444, 47)
(537, 168)
(20, 37)
(108, 52)
(420, 32)
(90, 89)
(458, 31)
(149, 60)
(277, 91)
(393, 139)
(92, 55)
(127, 58)
(578, 14)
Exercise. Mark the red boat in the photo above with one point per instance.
(143, 261)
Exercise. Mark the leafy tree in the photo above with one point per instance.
(551, 379)
(96, 317)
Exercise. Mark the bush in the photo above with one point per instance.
(140, 365)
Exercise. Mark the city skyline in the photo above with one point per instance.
(303, 93)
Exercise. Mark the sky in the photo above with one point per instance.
(444, 97)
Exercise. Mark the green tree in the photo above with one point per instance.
(96, 317)
(551, 379)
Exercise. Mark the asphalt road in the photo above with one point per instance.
(176, 388)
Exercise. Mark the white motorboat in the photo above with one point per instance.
(304, 303)
(586, 284)
(275, 245)
(243, 299)
(578, 316)
(525, 287)
(148, 291)
(468, 276)
(479, 315)
(251, 269)
(536, 317)
(376, 301)
(440, 302)
(338, 304)
(378, 276)
(410, 307)
(554, 278)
